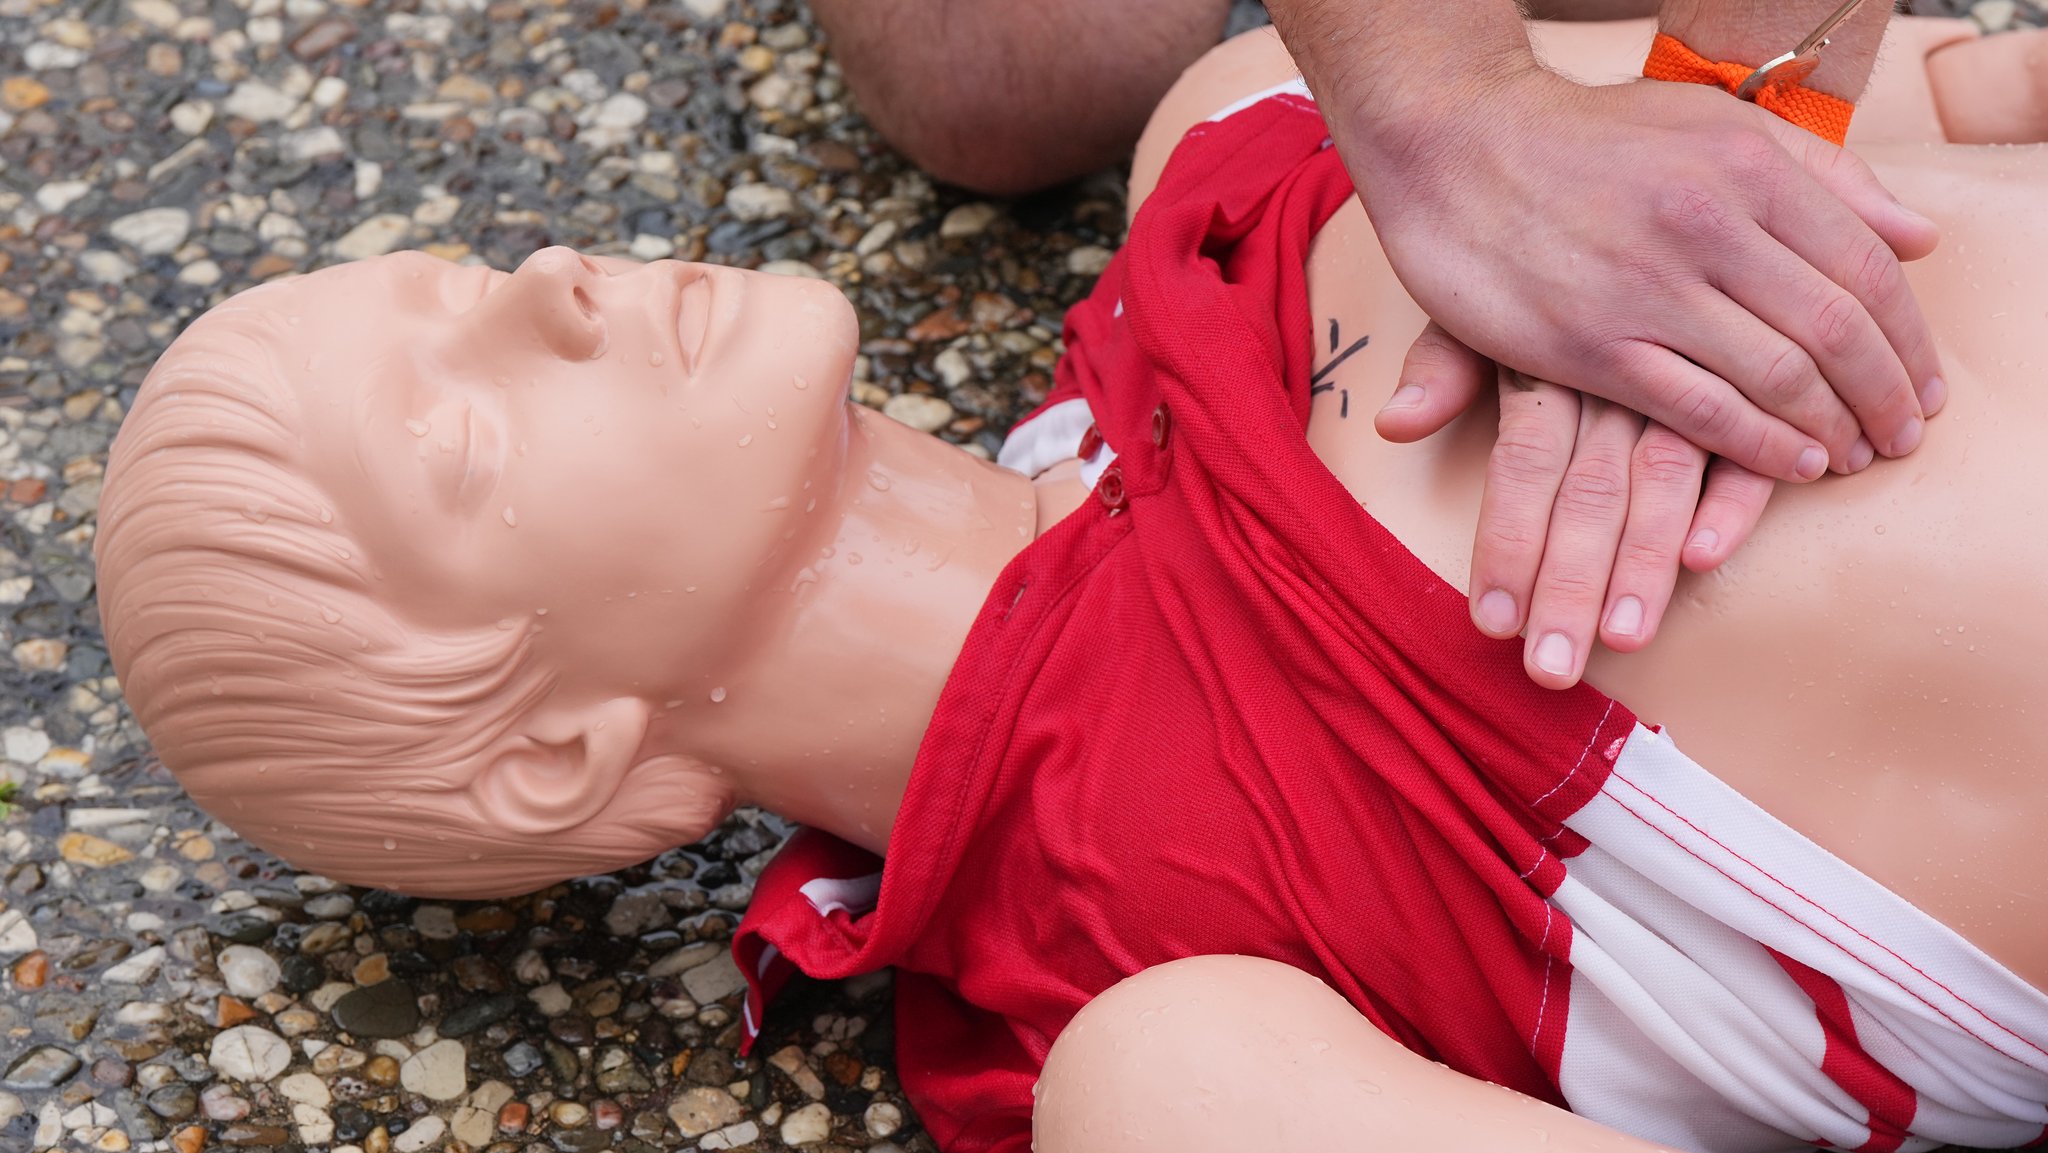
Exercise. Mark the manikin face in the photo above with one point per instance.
(596, 448)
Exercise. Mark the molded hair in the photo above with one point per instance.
(255, 649)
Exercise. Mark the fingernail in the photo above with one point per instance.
(1861, 454)
(1812, 462)
(1934, 395)
(1406, 396)
(1554, 654)
(1909, 438)
(1497, 613)
(1704, 541)
(1625, 619)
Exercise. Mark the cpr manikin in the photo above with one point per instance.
(411, 568)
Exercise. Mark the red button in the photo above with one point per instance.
(1091, 443)
(1161, 422)
(1110, 489)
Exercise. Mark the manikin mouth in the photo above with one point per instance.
(693, 318)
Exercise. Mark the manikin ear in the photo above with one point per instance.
(561, 765)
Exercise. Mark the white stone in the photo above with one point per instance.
(921, 412)
(43, 56)
(714, 979)
(491, 1096)
(876, 238)
(551, 999)
(705, 9)
(811, 1123)
(153, 231)
(792, 268)
(369, 178)
(137, 970)
(10, 1108)
(329, 91)
(192, 117)
(699, 1110)
(103, 267)
(24, 745)
(759, 202)
(882, 1119)
(248, 972)
(620, 110)
(313, 143)
(316, 1127)
(790, 1059)
(1088, 260)
(968, 220)
(422, 1134)
(953, 368)
(373, 237)
(732, 1136)
(306, 1089)
(159, 14)
(435, 211)
(17, 936)
(58, 195)
(201, 273)
(161, 878)
(473, 1126)
(255, 100)
(249, 1053)
(647, 246)
(686, 958)
(96, 818)
(436, 1072)
(1994, 15)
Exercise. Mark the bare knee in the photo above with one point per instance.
(1006, 98)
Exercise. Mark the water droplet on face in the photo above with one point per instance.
(330, 616)
(805, 575)
(779, 503)
(389, 844)
(746, 440)
(511, 518)
(800, 383)
(418, 427)
(326, 516)
(853, 558)
(654, 359)
(718, 695)
(878, 480)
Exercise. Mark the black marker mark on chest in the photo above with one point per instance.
(1317, 384)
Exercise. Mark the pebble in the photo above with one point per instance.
(220, 1103)
(31, 971)
(921, 412)
(306, 1089)
(882, 1119)
(41, 654)
(1089, 260)
(386, 1009)
(139, 969)
(43, 1068)
(248, 972)
(373, 237)
(92, 852)
(752, 202)
(732, 1137)
(811, 1123)
(249, 1053)
(153, 231)
(1994, 15)
(421, 1134)
(698, 1110)
(437, 1072)
(968, 220)
(258, 101)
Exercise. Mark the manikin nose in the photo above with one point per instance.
(551, 296)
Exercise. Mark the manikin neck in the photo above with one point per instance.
(823, 722)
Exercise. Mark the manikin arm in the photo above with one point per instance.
(1233, 1053)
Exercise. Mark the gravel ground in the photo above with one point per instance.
(166, 985)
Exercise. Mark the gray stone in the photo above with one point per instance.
(44, 1068)
(153, 231)
(386, 1009)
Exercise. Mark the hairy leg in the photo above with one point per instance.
(1590, 9)
(1233, 1053)
(1005, 98)
(1993, 90)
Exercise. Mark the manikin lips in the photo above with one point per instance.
(693, 318)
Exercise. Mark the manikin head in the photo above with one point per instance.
(377, 544)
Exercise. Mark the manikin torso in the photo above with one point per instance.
(1866, 667)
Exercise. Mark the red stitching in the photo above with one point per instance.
(1617, 775)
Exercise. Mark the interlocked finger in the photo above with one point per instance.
(1665, 471)
(1539, 423)
(1586, 524)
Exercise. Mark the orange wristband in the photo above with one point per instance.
(1825, 116)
